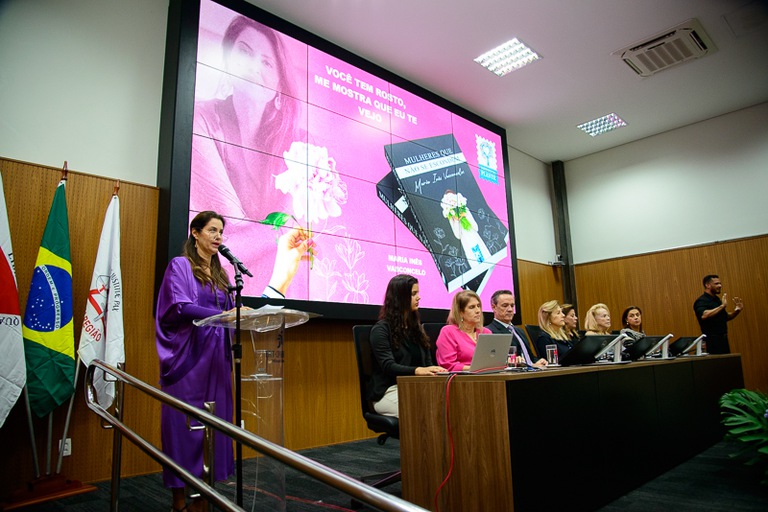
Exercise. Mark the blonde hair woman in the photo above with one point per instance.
(457, 341)
(552, 324)
(598, 320)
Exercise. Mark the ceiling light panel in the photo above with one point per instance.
(602, 125)
(507, 57)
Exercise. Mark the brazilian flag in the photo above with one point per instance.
(49, 339)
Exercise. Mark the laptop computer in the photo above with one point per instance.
(584, 351)
(491, 353)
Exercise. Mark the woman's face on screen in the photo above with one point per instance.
(254, 62)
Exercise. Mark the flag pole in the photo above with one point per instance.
(32, 434)
(48, 487)
(64, 172)
(69, 415)
(49, 448)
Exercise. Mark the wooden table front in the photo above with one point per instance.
(562, 439)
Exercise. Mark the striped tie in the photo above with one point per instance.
(520, 342)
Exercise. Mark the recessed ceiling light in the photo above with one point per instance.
(602, 124)
(508, 57)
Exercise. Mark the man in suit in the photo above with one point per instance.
(503, 306)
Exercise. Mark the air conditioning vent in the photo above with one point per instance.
(674, 46)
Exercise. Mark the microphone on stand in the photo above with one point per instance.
(224, 250)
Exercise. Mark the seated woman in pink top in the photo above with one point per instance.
(457, 340)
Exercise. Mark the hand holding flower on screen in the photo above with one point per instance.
(317, 191)
(292, 247)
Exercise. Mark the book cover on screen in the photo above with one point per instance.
(390, 194)
(461, 231)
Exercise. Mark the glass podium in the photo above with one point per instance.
(261, 399)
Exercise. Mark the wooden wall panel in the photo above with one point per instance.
(29, 191)
(539, 283)
(665, 285)
(322, 392)
(322, 404)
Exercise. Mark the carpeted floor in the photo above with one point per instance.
(711, 481)
(147, 494)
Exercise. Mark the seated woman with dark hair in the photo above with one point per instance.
(632, 323)
(400, 345)
(552, 324)
(571, 322)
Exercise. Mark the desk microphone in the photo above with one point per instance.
(224, 250)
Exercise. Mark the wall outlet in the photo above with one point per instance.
(67, 450)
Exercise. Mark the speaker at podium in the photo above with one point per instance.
(259, 389)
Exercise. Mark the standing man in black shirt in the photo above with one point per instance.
(712, 315)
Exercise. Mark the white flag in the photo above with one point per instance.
(102, 335)
(13, 369)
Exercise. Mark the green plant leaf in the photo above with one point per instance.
(743, 414)
(741, 430)
(275, 219)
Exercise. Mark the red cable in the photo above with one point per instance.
(450, 438)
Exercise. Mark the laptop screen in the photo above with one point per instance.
(492, 351)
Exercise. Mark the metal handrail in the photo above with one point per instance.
(357, 490)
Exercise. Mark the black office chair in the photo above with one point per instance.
(530, 344)
(533, 335)
(433, 331)
(386, 426)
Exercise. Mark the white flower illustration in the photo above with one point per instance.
(357, 287)
(312, 181)
(350, 252)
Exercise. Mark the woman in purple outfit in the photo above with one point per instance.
(195, 362)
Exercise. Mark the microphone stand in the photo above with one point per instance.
(237, 355)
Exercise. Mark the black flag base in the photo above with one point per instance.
(45, 489)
